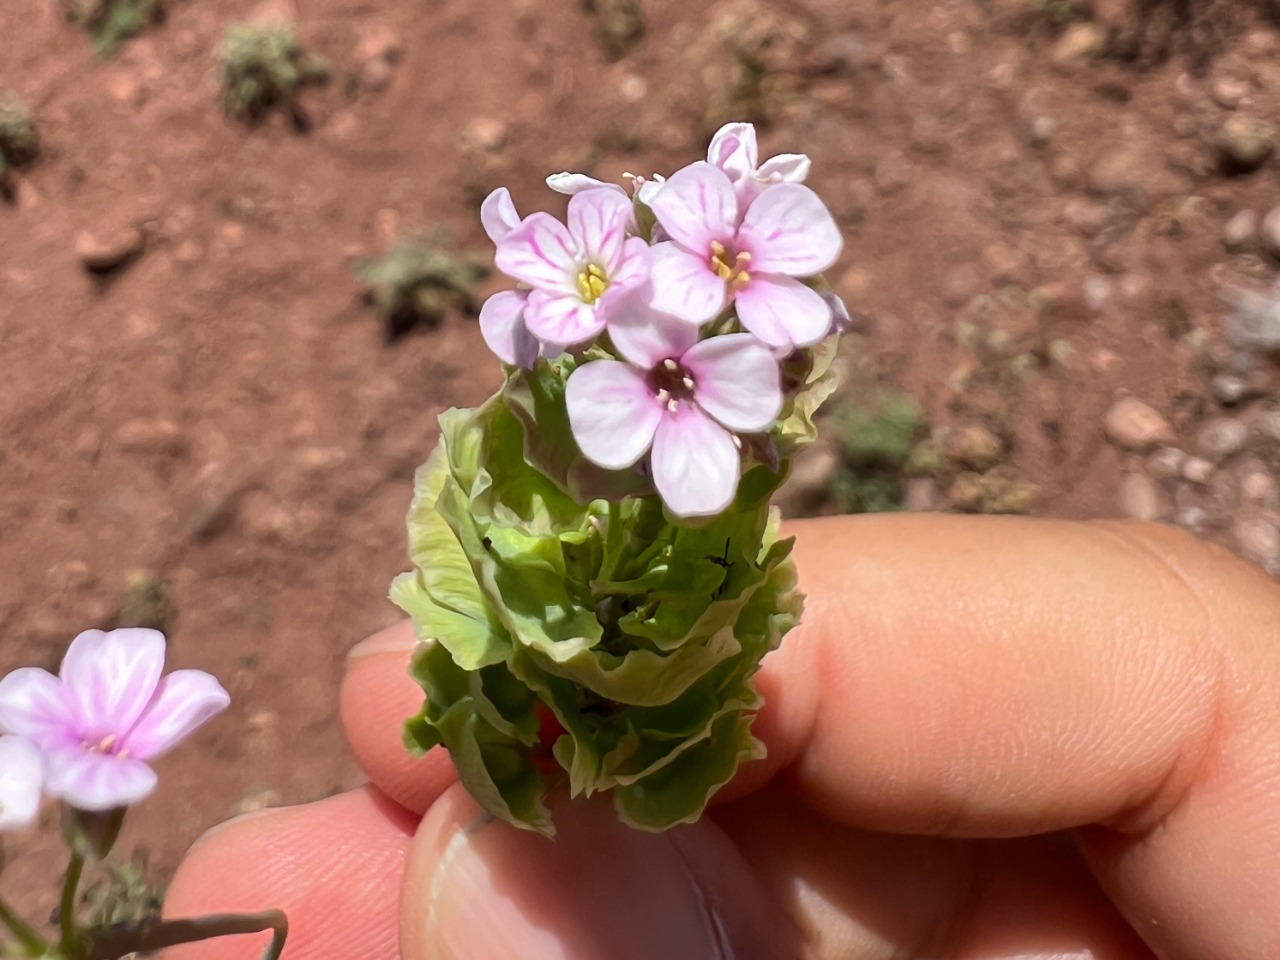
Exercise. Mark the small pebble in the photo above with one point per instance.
(1241, 231)
(1191, 518)
(1140, 497)
(1197, 470)
(144, 436)
(1166, 463)
(1245, 143)
(1259, 540)
(105, 249)
(1229, 389)
(1221, 437)
(1134, 425)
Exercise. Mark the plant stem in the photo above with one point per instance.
(148, 938)
(67, 946)
(31, 941)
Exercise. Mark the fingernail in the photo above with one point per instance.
(599, 889)
(397, 639)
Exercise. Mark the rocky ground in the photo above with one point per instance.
(1063, 231)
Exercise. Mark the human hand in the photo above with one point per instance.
(989, 738)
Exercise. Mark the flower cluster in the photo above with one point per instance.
(86, 735)
(685, 324)
(597, 571)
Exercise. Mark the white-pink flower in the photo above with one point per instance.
(678, 400)
(21, 778)
(502, 316)
(106, 714)
(734, 150)
(718, 255)
(578, 273)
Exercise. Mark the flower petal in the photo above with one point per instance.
(571, 183)
(684, 285)
(645, 336)
(557, 318)
(109, 678)
(737, 381)
(598, 221)
(784, 168)
(840, 319)
(21, 779)
(783, 312)
(541, 253)
(733, 149)
(503, 329)
(184, 700)
(695, 463)
(97, 781)
(612, 412)
(498, 214)
(788, 230)
(696, 206)
(34, 705)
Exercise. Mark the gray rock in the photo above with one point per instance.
(1267, 426)
(1166, 463)
(1097, 290)
(920, 495)
(960, 284)
(1197, 470)
(1140, 498)
(1245, 143)
(1134, 425)
(1257, 538)
(1229, 389)
(1241, 231)
(1221, 438)
(1258, 486)
(1253, 322)
(1191, 518)
(1228, 92)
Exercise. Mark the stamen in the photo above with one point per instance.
(592, 282)
(670, 365)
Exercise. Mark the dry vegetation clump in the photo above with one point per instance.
(418, 281)
(18, 141)
(263, 67)
(111, 22)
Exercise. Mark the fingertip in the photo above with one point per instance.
(378, 695)
(334, 867)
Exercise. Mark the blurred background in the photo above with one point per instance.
(240, 258)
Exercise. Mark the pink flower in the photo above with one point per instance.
(578, 273)
(677, 398)
(502, 316)
(106, 713)
(21, 776)
(733, 149)
(715, 258)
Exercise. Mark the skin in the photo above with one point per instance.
(991, 738)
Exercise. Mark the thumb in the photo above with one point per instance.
(479, 888)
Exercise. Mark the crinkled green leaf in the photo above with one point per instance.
(796, 428)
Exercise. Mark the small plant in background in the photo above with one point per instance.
(876, 439)
(18, 141)
(619, 24)
(418, 281)
(111, 22)
(261, 67)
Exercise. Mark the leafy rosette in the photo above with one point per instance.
(602, 646)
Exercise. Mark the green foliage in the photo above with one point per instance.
(261, 67)
(876, 440)
(122, 895)
(418, 281)
(18, 141)
(111, 22)
(579, 640)
(1058, 12)
(619, 23)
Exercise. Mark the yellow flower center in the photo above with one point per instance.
(592, 283)
(735, 273)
